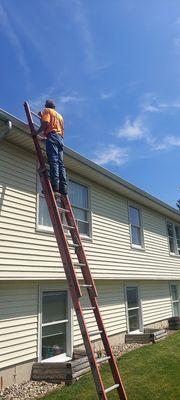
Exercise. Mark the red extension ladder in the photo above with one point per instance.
(71, 268)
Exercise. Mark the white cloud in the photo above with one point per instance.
(150, 108)
(81, 19)
(111, 155)
(177, 21)
(151, 104)
(60, 101)
(71, 98)
(106, 95)
(80, 16)
(167, 143)
(132, 130)
(7, 29)
(177, 42)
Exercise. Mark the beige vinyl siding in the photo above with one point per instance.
(112, 308)
(19, 308)
(25, 253)
(155, 302)
(18, 323)
(112, 252)
(30, 254)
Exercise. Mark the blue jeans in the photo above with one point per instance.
(54, 150)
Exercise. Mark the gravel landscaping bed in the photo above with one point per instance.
(29, 390)
(32, 390)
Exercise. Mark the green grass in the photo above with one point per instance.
(148, 373)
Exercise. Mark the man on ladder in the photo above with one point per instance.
(72, 266)
(52, 125)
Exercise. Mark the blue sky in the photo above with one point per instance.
(113, 67)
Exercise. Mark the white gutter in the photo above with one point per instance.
(126, 186)
(5, 128)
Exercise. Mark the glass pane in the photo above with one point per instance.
(170, 230)
(132, 297)
(80, 214)
(133, 320)
(174, 292)
(176, 309)
(53, 330)
(54, 340)
(54, 306)
(134, 216)
(44, 218)
(78, 195)
(136, 235)
(178, 243)
(83, 228)
(177, 229)
(171, 245)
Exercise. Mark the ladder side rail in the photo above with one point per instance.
(89, 350)
(62, 242)
(107, 347)
(80, 251)
(54, 213)
(88, 278)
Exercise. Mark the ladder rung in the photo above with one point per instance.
(73, 245)
(36, 115)
(86, 286)
(80, 265)
(88, 308)
(68, 227)
(102, 359)
(63, 210)
(95, 333)
(112, 388)
(41, 170)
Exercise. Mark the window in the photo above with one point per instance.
(136, 227)
(54, 323)
(175, 300)
(133, 308)
(174, 238)
(79, 199)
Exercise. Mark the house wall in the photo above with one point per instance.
(27, 253)
(19, 308)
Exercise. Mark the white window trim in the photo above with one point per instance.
(50, 230)
(70, 325)
(89, 210)
(141, 227)
(175, 301)
(141, 324)
(174, 254)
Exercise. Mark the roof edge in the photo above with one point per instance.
(77, 156)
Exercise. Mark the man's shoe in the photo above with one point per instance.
(57, 194)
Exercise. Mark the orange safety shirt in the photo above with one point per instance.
(55, 121)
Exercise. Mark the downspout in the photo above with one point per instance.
(5, 128)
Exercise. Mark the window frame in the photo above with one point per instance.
(70, 321)
(49, 230)
(174, 224)
(175, 301)
(141, 227)
(140, 315)
(89, 210)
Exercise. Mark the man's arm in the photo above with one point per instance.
(43, 127)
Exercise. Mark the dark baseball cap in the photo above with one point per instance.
(50, 103)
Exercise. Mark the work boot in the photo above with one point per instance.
(63, 190)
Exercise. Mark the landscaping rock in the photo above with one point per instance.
(32, 390)
(29, 390)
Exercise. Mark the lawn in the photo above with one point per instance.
(149, 373)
